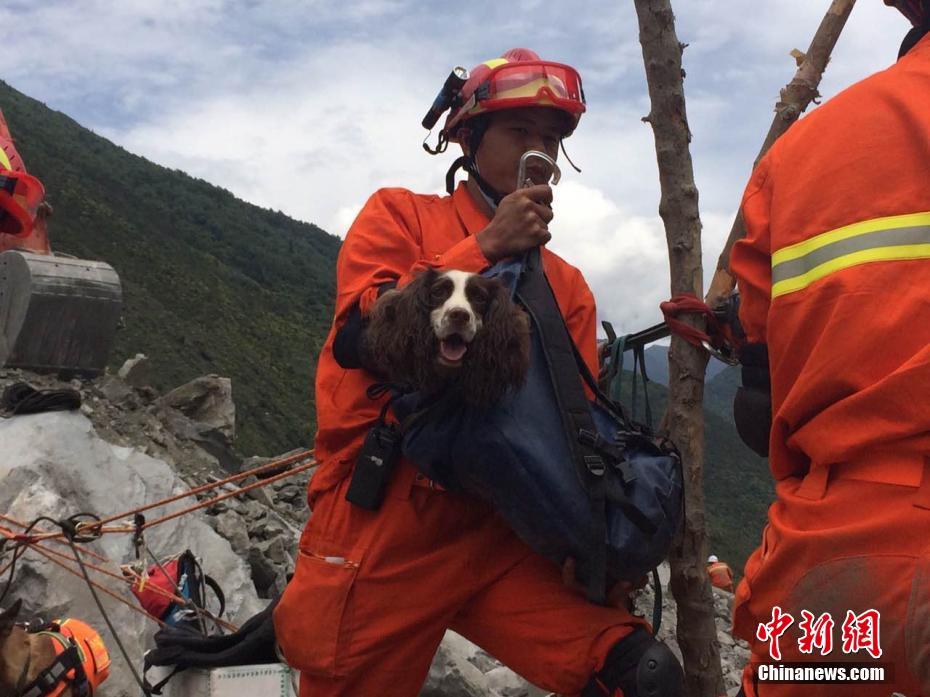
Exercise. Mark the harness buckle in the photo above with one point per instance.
(595, 465)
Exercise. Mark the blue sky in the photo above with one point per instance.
(308, 106)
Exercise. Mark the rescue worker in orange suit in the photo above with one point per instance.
(374, 591)
(833, 277)
(721, 575)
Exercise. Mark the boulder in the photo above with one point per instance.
(136, 371)
(206, 400)
(462, 669)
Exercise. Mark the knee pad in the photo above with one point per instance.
(639, 666)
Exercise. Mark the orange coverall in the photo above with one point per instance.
(835, 277)
(374, 592)
(721, 575)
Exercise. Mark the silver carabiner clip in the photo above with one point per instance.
(721, 356)
(523, 181)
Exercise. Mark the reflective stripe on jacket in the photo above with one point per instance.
(834, 273)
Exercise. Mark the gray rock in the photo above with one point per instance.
(233, 528)
(113, 389)
(256, 462)
(136, 371)
(451, 674)
(264, 572)
(461, 669)
(273, 550)
(207, 400)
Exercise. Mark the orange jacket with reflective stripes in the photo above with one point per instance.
(397, 234)
(834, 274)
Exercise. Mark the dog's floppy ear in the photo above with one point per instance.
(499, 357)
(399, 329)
(8, 618)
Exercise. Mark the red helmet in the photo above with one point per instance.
(914, 10)
(20, 193)
(518, 79)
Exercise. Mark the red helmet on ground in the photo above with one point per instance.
(914, 10)
(518, 79)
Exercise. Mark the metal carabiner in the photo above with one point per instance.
(523, 181)
(729, 359)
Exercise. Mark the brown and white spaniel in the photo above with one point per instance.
(451, 330)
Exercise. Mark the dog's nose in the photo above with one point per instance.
(458, 316)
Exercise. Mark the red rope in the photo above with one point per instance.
(718, 336)
(690, 304)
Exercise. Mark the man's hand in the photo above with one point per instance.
(521, 222)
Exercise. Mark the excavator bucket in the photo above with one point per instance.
(57, 313)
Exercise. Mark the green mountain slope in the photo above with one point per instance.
(211, 284)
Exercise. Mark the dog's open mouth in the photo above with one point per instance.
(452, 349)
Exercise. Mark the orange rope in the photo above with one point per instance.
(100, 527)
(223, 497)
(89, 552)
(50, 553)
(41, 537)
(213, 485)
(132, 606)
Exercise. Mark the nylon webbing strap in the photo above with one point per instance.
(57, 673)
(536, 295)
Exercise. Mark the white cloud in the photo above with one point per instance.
(308, 107)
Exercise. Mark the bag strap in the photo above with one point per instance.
(220, 596)
(535, 293)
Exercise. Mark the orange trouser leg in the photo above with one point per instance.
(530, 621)
(427, 561)
(863, 546)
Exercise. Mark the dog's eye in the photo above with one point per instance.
(478, 296)
(440, 292)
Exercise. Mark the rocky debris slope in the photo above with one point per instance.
(55, 465)
(130, 445)
(192, 429)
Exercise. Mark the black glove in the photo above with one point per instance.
(752, 406)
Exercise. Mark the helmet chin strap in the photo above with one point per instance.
(490, 194)
(467, 162)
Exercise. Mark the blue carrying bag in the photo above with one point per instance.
(572, 477)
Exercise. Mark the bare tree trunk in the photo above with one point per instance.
(696, 631)
(796, 96)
